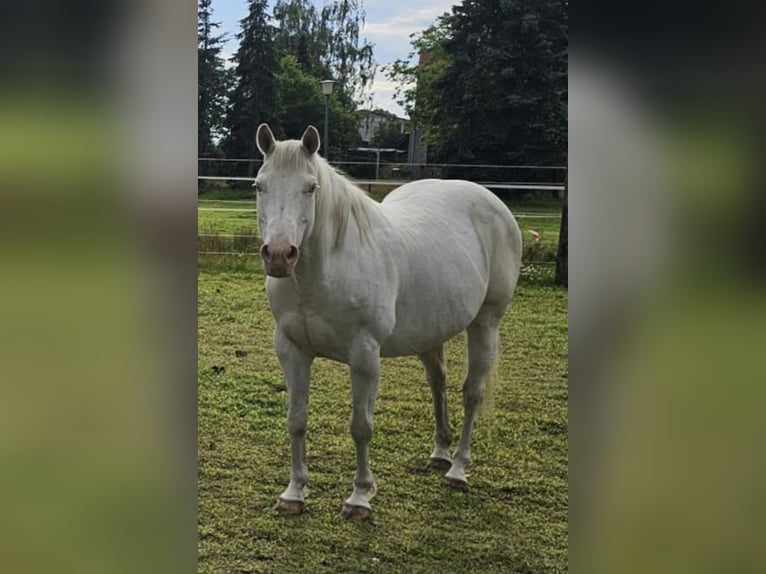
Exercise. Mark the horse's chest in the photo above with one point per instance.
(314, 334)
(319, 327)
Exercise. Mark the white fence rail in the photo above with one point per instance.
(392, 173)
(396, 183)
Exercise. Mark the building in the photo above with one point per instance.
(369, 122)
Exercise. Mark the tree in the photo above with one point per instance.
(253, 99)
(323, 44)
(494, 83)
(562, 256)
(297, 34)
(212, 80)
(349, 58)
(299, 101)
(416, 77)
(505, 87)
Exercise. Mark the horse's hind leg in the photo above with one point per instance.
(436, 374)
(482, 346)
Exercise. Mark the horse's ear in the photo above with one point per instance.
(265, 139)
(310, 140)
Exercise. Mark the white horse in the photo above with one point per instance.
(352, 280)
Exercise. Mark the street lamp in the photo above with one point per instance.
(326, 90)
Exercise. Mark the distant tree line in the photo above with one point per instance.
(487, 83)
(276, 72)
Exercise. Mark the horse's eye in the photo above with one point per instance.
(258, 188)
(313, 188)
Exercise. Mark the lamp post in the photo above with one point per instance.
(326, 90)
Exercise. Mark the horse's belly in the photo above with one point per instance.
(402, 344)
(325, 336)
(428, 326)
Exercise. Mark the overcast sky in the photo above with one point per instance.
(388, 26)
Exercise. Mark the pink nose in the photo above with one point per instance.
(279, 258)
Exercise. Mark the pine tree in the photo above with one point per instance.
(253, 98)
(298, 34)
(211, 78)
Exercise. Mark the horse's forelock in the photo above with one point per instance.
(290, 154)
(337, 201)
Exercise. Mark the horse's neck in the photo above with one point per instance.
(321, 248)
(316, 258)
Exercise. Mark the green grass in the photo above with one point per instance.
(235, 191)
(514, 516)
(219, 218)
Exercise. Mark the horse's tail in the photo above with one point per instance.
(487, 410)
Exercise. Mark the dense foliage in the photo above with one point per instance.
(318, 45)
(490, 82)
(212, 80)
(485, 83)
(254, 97)
(279, 63)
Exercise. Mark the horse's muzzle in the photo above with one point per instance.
(279, 259)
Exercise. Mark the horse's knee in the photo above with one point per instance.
(473, 393)
(361, 428)
(296, 424)
(438, 382)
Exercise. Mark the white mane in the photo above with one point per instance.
(338, 200)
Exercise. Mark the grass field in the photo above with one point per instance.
(514, 516)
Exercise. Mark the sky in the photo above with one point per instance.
(388, 26)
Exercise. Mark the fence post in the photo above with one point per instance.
(562, 257)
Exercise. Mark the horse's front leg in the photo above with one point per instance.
(365, 368)
(296, 366)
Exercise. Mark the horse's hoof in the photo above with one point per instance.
(355, 512)
(289, 507)
(455, 483)
(440, 464)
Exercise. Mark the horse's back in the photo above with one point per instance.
(450, 197)
(452, 209)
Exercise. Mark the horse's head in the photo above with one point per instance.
(285, 186)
